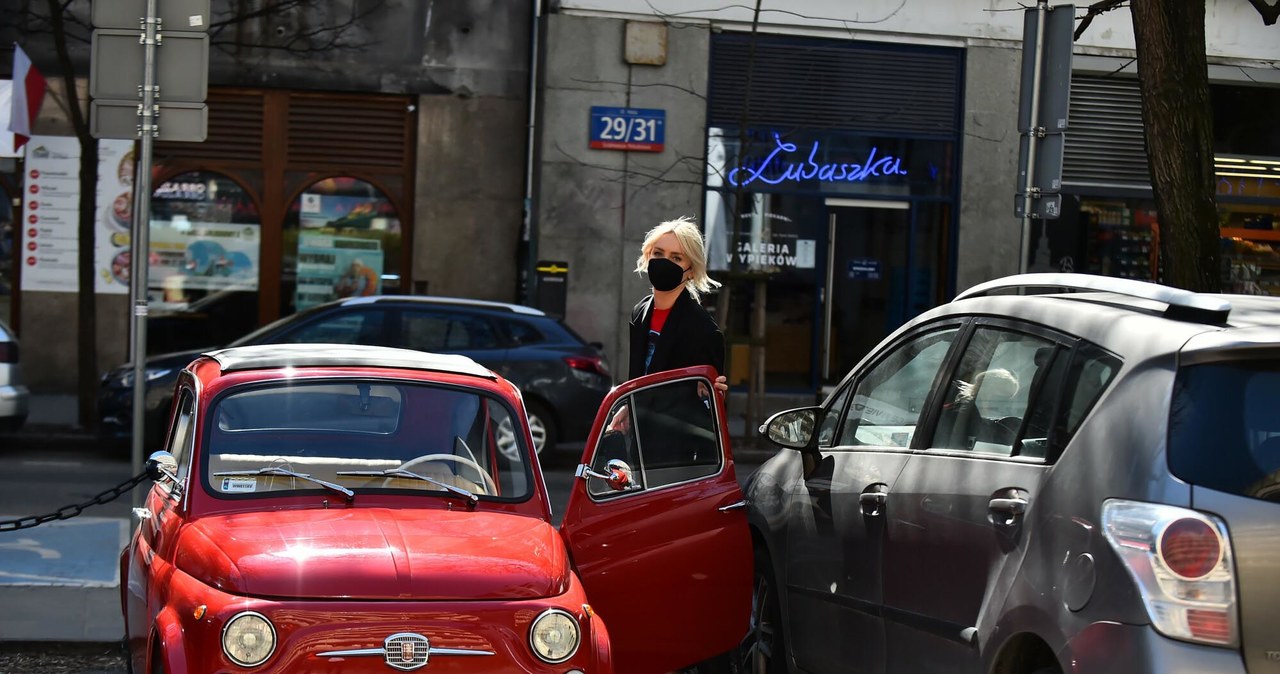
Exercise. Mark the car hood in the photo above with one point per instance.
(377, 554)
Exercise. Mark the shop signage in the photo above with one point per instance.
(636, 129)
(864, 268)
(777, 168)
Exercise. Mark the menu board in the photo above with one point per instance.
(51, 207)
(51, 202)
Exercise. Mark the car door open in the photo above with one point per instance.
(657, 524)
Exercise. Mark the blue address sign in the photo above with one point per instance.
(637, 129)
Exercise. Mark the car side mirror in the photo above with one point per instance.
(162, 466)
(792, 429)
(617, 475)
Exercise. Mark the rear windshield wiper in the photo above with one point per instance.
(277, 470)
(471, 499)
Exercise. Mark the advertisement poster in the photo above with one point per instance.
(192, 255)
(330, 267)
(328, 211)
(115, 216)
(51, 202)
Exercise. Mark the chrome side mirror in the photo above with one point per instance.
(619, 475)
(793, 429)
(162, 465)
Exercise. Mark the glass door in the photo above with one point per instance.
(866, 279)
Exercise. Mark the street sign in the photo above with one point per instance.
(1055, 69)
(1047, 207)
(1046, 175)
(182, 66)
(638, 129)
(175, 121)
(174, 15)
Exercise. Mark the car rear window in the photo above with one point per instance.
(1224, 429)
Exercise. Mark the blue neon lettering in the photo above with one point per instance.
(887, 165)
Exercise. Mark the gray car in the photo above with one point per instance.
(1081, 480)
(14, 397)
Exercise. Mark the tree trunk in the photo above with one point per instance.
(1174, 80)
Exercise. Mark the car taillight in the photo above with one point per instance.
(8, 352)
(1181, 561)
(587, 364)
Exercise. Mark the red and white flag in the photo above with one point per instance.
(28, 93)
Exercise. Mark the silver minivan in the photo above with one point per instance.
(1086, 479)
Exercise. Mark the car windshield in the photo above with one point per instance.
(366, 436)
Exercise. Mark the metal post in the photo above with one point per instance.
(1035, 133)
(140, 242)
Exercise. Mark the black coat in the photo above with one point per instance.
(689, 337)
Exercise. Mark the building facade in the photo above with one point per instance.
(857, 164)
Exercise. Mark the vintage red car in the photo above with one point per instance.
(325, 508)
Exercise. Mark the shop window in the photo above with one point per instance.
(202, 278)
(342, 238)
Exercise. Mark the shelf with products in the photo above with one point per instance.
(1121, 241)
(1251, 247)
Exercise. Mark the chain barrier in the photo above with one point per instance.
(67, 512)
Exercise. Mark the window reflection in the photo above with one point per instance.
(342, 238)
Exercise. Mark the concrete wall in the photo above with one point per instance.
(469, 195)
(594, 206)
(989, 234)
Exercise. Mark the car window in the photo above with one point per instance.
(348, 327)
(439, 331)
(521, 333)
(1090, 375)
(357, 433)
(181, 437)
(831, 417)
(666, 434)
(886, 404)
(989, 393)
(1224, 432)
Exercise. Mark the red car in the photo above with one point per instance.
(326, 508)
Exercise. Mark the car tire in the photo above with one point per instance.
(763, 651)
(542, 427)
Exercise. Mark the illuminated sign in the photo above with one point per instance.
(774, 171)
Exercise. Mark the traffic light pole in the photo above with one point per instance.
(140, 242)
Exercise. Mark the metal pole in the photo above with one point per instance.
(1035, 133)
(140, 242)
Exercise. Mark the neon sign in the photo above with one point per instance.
(871, 167)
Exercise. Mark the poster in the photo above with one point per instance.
(51, 202)
(321, 211)
(330, 267)
(193, 255)
(115, 216)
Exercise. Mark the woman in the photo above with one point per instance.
(669, 328)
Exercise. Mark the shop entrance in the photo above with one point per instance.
(866, 280)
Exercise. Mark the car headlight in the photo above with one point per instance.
(248, 639)
(554, 636)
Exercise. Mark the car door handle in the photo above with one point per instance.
(733, 506)
(873, 502)
(1010, 508)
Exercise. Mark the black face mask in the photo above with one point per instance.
(664, 274)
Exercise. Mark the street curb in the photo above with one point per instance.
(42, 435)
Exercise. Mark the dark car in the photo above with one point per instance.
(1080, 481)
(558, 372)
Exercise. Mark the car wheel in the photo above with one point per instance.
(541, 426)
(763, 651)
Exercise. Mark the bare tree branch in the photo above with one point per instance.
(1269, 12)
(1100, 7)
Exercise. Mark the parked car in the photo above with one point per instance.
(558, 372)
(1083, 480)
(15, 400)
(327, 507)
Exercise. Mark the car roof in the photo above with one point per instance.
(439, 299)
(1127, 317)
(273, 356)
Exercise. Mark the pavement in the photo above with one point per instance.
(60, 581)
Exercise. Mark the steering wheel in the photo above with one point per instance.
(489, 486)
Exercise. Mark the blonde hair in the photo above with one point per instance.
(690, 237)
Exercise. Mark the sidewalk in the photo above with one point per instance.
(52, 420)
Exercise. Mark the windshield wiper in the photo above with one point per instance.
(471, 499)
(277, 470)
